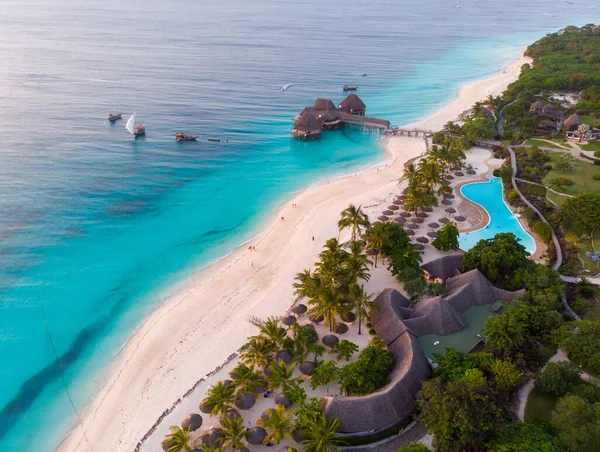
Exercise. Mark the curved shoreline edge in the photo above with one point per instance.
(205, 323)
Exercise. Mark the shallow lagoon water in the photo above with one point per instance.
(489, 196)
(97, 229)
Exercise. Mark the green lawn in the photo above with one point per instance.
(591, 146)
(581, 174)
(556, 199)
(539, 405)
(589, 120)
(542, 144)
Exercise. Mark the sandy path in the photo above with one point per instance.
(196, 330)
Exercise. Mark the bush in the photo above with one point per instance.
(369, 372)
(563, 181)
(596, 176)
(558, 378)
(529, 213)
(597, 153)
(512, 196)
(547, 166)
(580, 305)
(496, 173)
(414, 448)
(543, 230)
(597, 162)
(438, 138)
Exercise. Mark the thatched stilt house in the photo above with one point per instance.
(353, 105)
(306, 126)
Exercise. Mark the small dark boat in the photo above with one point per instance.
(214, 139)
(139, 131)
(180, 136)
(132, 129)
(350, 88)
(113, 118)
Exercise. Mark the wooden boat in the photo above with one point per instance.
(214, 139)
(132, 129)
(180, 136)
(113, 118)
(350, 88)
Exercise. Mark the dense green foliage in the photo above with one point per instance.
(519, 437)
(414, 448)
(369, 372)
(578, 423)
(447, 238)
(583, 210)
(326, 372)
(558, 378)
(582, 344)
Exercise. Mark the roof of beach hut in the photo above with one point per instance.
(412, 226)
(231, 415)
(405, 214)
(537, 105)
(323, 104)
(212, 437)
(287, 449)
(427, 209)
(409, 232)
(288, 320)
(256, 435)
(260, 388)
(471, 172)
(459, 218)
(448, 177)
(444, 220)
(432, 234)
(206, 407)
(401, 220)
(245, 401)
(419, 247)
(285, 356)
(422, 240)
(352, 102)
(266, 414)
(446, 202)
(227, 383)
(459, 173)
(330, 340)
(317, 318)
(299, 309)
(341, 328)
(348, 316)
(282, 399)
(397, 202)
(268, 371)
(450, 210)
(393, 207)
(573, 121)
(307, 367)
(307, 122)
(433, 225)
(193, 421)
(299, 435)
(417, 220)
(422, 215)
(387, 212)
(382, 218)
(449, 196)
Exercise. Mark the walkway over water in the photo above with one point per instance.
(411, 131)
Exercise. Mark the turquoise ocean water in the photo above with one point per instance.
(97, 229)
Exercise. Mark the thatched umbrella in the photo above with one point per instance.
(419, 247)
(299, 435)
(409, 232)
(449, 177)
(287, 449)
(288, 320)
(299, 309)
(443, 220)
(281, 399)
(405, 214)
(450, 210)
(285, 356)
(212, 437)
(471, 172)
(330, 340)
(446, 202)
(459, 173)
(417, 220)
(449, 196)
(317, 318)
(227, 383)
(456, 168)
(397, 202)
(422, 240)
(268, 371)
(307, 367)
(348, 317)
(422, 215)
(193, 421)
(387, 213)
(166, 446)
(256, 436)
(432, 234)
(205, 407)
(341, 328)
(433, 225)
(460, 218)
(371, 252)
(428, 209)
(231, 415)
(260, 388)
(400, 220)
(393, 207)
(382, 218)
(245, 401)
(412, 226)
(266, 414)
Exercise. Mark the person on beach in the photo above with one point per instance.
(313, 238)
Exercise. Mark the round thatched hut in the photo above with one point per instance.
(306, 126)
(353, 105)
(326, 113)
(572, 122)
(193, 421)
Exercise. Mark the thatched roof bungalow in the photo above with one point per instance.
(353, 105)
(536, 107)
(444, 267)
(306, 126)
(326, 113)
(572, 122)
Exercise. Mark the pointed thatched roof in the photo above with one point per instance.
(283, 400)
(307, 122)
(352, 103)
(212, 437)
(245, 401)
(444, 267)
(386, 314)
(193, 421)
(573, 121)
(436, 316)
(256, 436)
(323, 104)
(537, 105)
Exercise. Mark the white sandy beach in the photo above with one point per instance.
(196, 330)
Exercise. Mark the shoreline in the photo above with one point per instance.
(205, 322)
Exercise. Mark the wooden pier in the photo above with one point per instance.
(411, 132)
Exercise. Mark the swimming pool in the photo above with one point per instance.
(489, 196)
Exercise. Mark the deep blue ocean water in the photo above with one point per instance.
(489, 196)
(96, 228)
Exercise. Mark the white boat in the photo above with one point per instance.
(132, 129)
(286, 87)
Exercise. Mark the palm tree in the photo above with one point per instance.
(331, 260)
(281, 375)
(376, 238)
(206, 448)
(272, 330)
(355, 219)
(246, 379)
(178, 439)
(258, 351)
(328, 303)
(279, 424)
(220, 398)
(322, 435)
(305, 284)
(357, 263)
(410, 173)
(431, 172)
(361, 302)
(233, 433)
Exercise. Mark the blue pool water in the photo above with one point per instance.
(489, 196)
(97, 229)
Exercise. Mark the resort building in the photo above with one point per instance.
(413, 333)
(572, 122)
(536, 107)
(353, 105)
(306, 126)
(439, 270)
